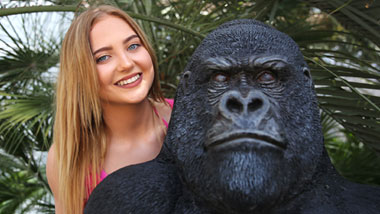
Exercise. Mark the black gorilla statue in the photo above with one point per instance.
(245, 137)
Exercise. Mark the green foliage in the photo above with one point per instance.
(27, 57)
(351, 158)
(20, 188)
(354, 161)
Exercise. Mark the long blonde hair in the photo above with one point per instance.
(79, 129)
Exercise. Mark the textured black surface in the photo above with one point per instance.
(152, 187)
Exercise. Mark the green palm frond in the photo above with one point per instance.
(345, 68)
(26, 83)
(361, 17)
(26, 122)
(348, 88)
(25, 57)
(28, 62)
(21, 191)
(353, 160)
(350, 157)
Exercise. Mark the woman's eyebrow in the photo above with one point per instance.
(109, 48)
(130, 38)
(101, 49)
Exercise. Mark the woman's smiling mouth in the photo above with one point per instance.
(129, 81)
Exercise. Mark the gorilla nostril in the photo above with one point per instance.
(234, 105)
(254, 105)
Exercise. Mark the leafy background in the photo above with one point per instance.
(339, 39)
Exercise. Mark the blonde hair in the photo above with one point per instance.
(79, 129)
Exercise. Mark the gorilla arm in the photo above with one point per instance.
(151, 187)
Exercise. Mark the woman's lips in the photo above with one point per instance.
(129, 82)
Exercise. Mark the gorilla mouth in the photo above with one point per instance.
(239, 138)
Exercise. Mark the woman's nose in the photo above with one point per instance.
(125, 62)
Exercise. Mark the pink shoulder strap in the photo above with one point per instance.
(170, 102)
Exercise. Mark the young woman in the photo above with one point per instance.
(110, 112)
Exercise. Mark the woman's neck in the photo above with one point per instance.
(129, 120)
(133, 134)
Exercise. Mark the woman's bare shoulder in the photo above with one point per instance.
(52, 169)
(52, 177)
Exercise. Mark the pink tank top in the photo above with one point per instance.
(103, 174)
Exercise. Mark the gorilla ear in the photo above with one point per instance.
(307, 74)
(186, 77)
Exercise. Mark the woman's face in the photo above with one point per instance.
(124, 66)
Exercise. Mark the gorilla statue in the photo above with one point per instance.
(245, 137)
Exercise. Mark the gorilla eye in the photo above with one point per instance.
(266, 77)
(220, 78)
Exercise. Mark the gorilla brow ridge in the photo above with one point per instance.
(274, 62)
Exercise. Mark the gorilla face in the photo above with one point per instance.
(248, 101)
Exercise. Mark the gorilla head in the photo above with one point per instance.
(248, 101)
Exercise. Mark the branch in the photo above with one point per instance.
(75, 8)
(35, 9)
(166, 23)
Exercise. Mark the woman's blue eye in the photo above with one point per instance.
(133, 47)
(102, 58)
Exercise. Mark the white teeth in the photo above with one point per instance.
(129, 81)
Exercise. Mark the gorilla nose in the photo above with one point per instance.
(233, 104)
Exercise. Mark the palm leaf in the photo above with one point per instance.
(353, 160)
(358, 16)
